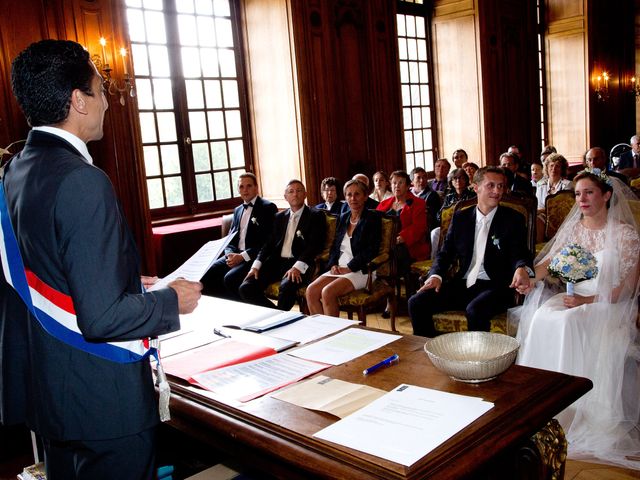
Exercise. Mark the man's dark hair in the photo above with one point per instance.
(480, 174)
(44, 75)
(416, 170)
(250, 175)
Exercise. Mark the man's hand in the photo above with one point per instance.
(293, 275)
(234, 259)
(148, 282)
(188, 294)
(521, 281)
(252, 273)
(432, 282)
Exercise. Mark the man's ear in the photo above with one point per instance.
(78, 101)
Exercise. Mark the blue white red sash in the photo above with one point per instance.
(54, 310)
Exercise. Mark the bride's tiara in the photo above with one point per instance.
(602, 176)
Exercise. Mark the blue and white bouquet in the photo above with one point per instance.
(573, 264)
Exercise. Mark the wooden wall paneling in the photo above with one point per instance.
(561, 10)
(458, 87)
(637, 57)
(275, 118)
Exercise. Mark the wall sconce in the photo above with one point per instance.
(602, 86)
(635, 87)
(111, 84)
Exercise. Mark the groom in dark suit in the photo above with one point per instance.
(289, 254)
(252, 223)
(490, 243)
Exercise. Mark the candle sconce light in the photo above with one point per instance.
(635, 86)
(111, 84)
(602, 86)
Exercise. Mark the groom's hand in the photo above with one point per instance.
(521, 281)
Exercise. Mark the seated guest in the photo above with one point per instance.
(490, 243)
(421, 189)
(536, 173)
(523, 165)
(370, 203)
(411, 242)
(252, 223)
(546, 151)
(380, 187)
(597, 158)
(289, 255)
(439, 183)
(470, 168)
(554, 180)
(356, 243)
(329, 192)
(458, 190)
(459, 158)
(631, 159)
(517, 184)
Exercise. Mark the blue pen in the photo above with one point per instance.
(392, 360)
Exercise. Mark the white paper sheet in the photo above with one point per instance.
(345, 346)
(196, 266)
(252, 379)
(406, 423)
(311, 328)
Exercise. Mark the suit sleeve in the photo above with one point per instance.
(518, 251)
(99, 260)
(276, 234)
(367, 245)
(265, 226)
(316, 236)
(445, 255)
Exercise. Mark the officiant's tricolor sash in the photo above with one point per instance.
(54, 310)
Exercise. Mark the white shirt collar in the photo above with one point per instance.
(69, 137)
(297, 214)
(489, 216)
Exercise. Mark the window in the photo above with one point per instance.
(193, 119)
(415, 80)
(541, 72)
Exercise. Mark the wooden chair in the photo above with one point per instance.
(383, 288)
(556, 207)
(456, 320)
(273, 290)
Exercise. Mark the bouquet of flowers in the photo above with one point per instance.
(573, 264)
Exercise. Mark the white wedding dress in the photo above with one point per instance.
(596, 341)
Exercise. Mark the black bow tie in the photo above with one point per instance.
(247, 205)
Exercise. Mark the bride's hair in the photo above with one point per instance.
(600, 179)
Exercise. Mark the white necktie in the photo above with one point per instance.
(288, 237)
(479, 248)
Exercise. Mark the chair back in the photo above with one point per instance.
(389, 233)
(227, 220)
(557, 207)
(323, 257)
(445, 220)
(527, 207)
(634, 205)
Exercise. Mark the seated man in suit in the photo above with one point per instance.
(631, 159)
(490, 243)
(370, 203)
(596, 157)
(517, 183)
(329, 192)
(421, 189)
(298, 235)
(440, 183)
(252, 223)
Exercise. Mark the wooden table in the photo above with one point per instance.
(273, 436)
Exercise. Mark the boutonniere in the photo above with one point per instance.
(299, 234)
(254, 220)
(496, 241)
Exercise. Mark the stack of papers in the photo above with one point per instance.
(311, 328)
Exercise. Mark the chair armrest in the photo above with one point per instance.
(377, 261)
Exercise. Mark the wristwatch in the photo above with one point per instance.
(530, 272)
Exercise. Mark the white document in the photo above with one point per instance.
(345, 346)
(406, 424)
(249, 380)
(196, 266)
(188, 341)
(311, 328)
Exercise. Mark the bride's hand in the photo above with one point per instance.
(571, 301)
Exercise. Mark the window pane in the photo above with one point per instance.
(408, 140)
(404, 72)
(236, 152)
(415, 95)
(136, 25)
(209, 60)
(200, 157)
(402, 48)
(204, 7)
(167, 127)
(230, 91)
(195, 98)
(418, 141)
(223, 32)
(227, 63)
(427, 136)
(406, 118)
(147, 127)
(424, 76)
(151, 160)
(234, 125)
(153, 4)
(198, 126)
(133, 3)
(426, 117)
(206, 32)
(170, 159)
(212, 93)
(190, 62)
(406, 95)
(162, 93)
(424, 93)
(219, 155)
(223, 187)
(187, 30)
(140, 59)
(184, 6)
(143, 90)
(155, 27)
(412, 49)
(420, 30)
(154, 189)
(173, 188)
(422, 50)
(401, 28)
(159, 61)
(221, 8)
(204, 187)
(411, 26)
(216, 124)
(413, 73)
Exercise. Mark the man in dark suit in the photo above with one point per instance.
(289, 255)
(252, 223)
(517, 183)
(329, 192)
(87, 382)
(631, 159)
(490, 243)
(421, 189)
(596, 157)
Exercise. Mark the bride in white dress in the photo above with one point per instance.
(593, 333)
